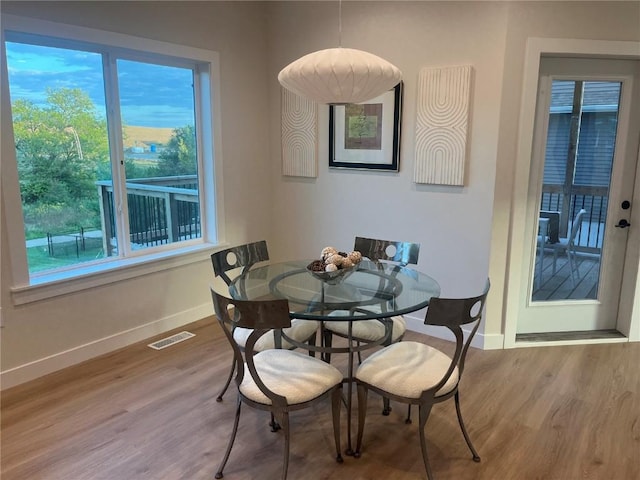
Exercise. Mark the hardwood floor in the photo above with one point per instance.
(533, 413)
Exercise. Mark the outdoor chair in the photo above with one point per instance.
(243, 258)
(275, 380)
(568, 245)
(418, 374)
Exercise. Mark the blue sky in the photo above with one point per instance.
(150, 95)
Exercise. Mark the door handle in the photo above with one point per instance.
(622, 223)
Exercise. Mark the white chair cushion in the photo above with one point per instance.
(367, 329)
(300, 330)
(407, 369)
(296, 376)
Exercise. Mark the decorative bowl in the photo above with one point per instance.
(332, 278)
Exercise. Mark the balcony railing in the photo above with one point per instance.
(161, 210)
(595, 200)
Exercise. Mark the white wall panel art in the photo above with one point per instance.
(299, 135)
(441, 124)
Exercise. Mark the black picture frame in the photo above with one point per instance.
(367, 135)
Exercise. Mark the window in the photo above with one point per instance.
(581, 138)
(113, 143)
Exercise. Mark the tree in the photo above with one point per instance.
(61, 146)
(179, 155)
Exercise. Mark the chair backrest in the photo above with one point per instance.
(575, 227)
(242, 256)
(262, 316)
(255, 314)
(453, 313)
(375, 250)
(553, 231)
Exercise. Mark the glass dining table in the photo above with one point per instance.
(372, 291)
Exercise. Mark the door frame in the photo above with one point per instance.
(629, 309)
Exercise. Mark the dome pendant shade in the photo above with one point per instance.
(339, 76)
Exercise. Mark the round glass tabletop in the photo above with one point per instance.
(372, 290)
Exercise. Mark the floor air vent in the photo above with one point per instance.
(172, 340)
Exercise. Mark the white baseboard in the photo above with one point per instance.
(480, 340)
(493, 341)
(38, 368)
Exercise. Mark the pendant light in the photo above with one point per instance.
(337, 76)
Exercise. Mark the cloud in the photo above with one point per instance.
(150, 95)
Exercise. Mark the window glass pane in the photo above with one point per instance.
(598, 129)
(158, 122)
(62, 151)
(581, 138)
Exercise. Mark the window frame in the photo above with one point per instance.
(25, 288)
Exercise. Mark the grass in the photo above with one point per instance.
(138, 136)
(64, 254)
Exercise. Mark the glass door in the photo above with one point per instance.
(581, 137)
(585, 157)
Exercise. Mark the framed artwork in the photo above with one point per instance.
(367, 135)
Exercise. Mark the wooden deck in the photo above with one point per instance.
(560, 287)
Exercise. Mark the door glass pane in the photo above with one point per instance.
(62, 150)
(581, 137)
(158, 122)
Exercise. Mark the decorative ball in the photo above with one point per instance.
(347, 263)
(330, 267)
(334, 266)
(327, 252)
(335, 259)
(354, 256)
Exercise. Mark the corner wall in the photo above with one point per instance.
(464, 231)
(579, 20)
(43, 336)
(452, 224)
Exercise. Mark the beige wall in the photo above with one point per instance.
(463, 230)
(580, 20)
(451, 223)
(59, 326)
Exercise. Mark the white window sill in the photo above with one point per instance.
(62, 283)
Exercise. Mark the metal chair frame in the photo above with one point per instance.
(568, 245)
(452, 314)
(405, 253)
(376, 250)
(263, 316)
(244, 257)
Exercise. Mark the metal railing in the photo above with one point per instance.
(595, 200)
(161, 210)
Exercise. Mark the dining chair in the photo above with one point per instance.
(240, 259)
(275, 380)
(568, 245)
(418, 374)
(376, 250)
(401, 253)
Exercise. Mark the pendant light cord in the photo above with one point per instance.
(340, 23)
